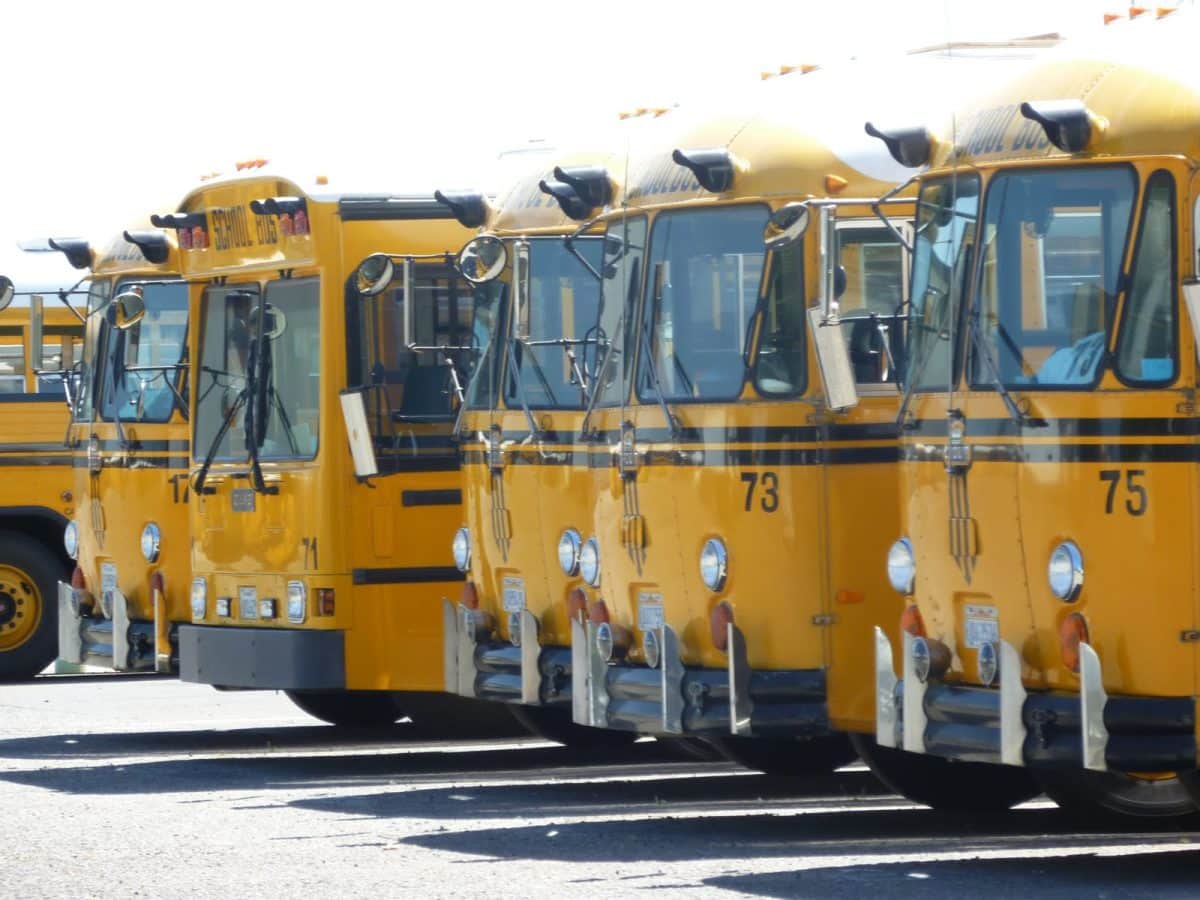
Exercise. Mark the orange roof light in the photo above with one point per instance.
(1135, 11)
(835, 184)
(1109, 18)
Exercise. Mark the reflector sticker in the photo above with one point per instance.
(981, 625)
(108, 577)
(248, 602)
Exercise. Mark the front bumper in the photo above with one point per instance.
(496, 670)
(104, 634)
(1012, 726)
(674, 699)
(265, 658)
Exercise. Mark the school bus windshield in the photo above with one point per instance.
(279, 390)
(702, 291)
(945, 228)
(1053, 242)
(139, 368)
(621, 269)
(564, 303)
(489, 300)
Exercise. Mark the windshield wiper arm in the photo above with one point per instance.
(985, 354)
(569, 242)
(516, 374)
(226, 424)
(657, 381)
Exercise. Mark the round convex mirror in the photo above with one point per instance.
(786, 225)
(7, 291)
(482, 259)
(127, 309)
(374, 274)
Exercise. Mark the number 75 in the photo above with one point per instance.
(1136, 500)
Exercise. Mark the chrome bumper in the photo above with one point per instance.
(677, 699)
(111, 639)
(1012, 726)
(496, 670)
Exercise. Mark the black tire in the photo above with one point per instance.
(694, 749)
(788, 756)
(555, 724)
(29, 576)
(440, 717)
(349, 709)
(947, 784)
(1089, 795)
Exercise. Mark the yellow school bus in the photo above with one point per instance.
(324, 482)
(507, 634)
(1048, 494)
(129, 435)
(741, 432)
(40, 338)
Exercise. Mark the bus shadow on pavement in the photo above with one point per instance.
(284, 767)
(677, 835)
(1143, 873)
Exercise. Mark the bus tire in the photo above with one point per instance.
(694, 749)
(29, 576)
(1085, 794)
(788, 756)
(555, 724)
(947, 784)
(349, 709)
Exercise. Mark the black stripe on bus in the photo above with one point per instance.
(407, 575)
(1061, 453)
(138, 462)
(432, 498)
(1110, 427)
(44, 447)
(716, 457)
(35, 461)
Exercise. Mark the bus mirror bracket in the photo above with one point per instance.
(833, 356)
(362, 449)
(521, 328)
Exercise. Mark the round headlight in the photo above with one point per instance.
(461, 548)
(568, 551)
(1065, 572)
(589, 562)
(714, 564)
(71, 539)
(199, 598)
(901, 566)
(151, 540)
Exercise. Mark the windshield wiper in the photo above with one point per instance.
(226, 424)
(259, 369)
(657, 382)
(534, 431)
(568, 345)
(985, 353)
(914, 376)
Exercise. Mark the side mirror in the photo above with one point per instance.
(7, 291)
(362, 448)
(786, 225)
(521, 290)
(127, 309)
(482, 259)
(274, 321)
(829, 342)
(374, 274)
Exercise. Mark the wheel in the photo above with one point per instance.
(29, 576)
(351, 709)
(787, 756)
(438, 716)
(946, 784)
(1086, 794)
(555, 724)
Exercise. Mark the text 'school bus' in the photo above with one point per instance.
(1049, 439)
(508, 634)
(733, 503)
(129, 437)
(39, 344)
(314, 571)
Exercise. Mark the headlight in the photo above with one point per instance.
(151, 540)
(71, 539)
(589, 562)
(714, 563)
(297, 601)
(461, 548)
(1065, 572)
(901, 566)
(199, 597)
(568, 551)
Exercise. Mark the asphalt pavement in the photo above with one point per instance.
(147, 787)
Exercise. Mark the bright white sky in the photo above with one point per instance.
(113, 109)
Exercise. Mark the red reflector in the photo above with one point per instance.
(719, 621)
(1072, 631)
(77, 579)
(184, 235)
(325, 605)
(577, 605)
(598, 613)
(849, 597)
(470, 596)
(158, 584)
(300, 222)
(911, 621)
(199, 238)
(285, 223)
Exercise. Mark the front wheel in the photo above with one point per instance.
(787, 756)
(946, 784)
(349, 709)
(29, 575)
(555, 724)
